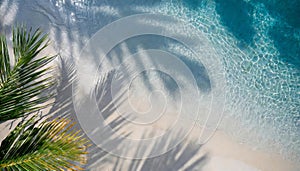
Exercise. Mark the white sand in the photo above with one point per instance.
(223, 152)
(226, 154)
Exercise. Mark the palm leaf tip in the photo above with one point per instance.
(51, 145)
(22, 85)
(33, 145)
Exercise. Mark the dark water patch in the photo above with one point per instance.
(236, 16)
(286, 44)
(193, 4)
(288, 10)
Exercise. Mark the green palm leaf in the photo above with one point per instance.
(22, 85)
(51, 145)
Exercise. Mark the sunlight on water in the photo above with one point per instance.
(262, 89)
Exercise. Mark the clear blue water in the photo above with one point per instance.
(260, 45)
(258, 41)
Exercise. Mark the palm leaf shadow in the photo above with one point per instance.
(63, 105)
(185, 152)
(184, 156)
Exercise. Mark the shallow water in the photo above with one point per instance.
(260, 51)
(258, 42)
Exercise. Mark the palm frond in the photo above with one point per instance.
(50, 145)
(22, 85)
(4, 62)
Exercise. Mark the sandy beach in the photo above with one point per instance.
(222, 152)
(226, 154)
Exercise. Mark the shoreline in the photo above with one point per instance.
(227, 153)
(242, 152)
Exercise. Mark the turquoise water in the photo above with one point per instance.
(260, 45)
(258, 41)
